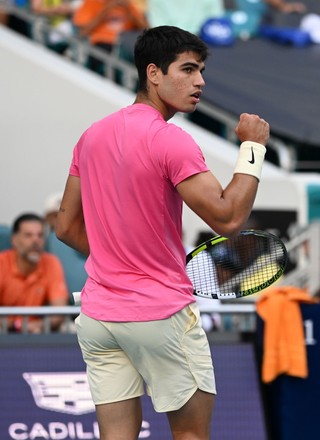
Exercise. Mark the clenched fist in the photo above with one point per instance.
(252, 128)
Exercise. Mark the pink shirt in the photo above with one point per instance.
(129, 164)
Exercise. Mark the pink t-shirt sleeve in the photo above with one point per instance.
(180, 156)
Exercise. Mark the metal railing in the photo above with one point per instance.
(44, 312)
(235, 317)
(78, 48)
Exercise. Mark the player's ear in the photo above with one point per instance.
(153, 73)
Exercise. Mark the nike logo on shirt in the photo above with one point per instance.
(252, 157)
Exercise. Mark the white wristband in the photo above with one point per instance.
(250, 159)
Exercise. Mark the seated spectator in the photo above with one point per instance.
(58, 14)
(102, 22)
(29, 276)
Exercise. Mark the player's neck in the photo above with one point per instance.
(144, 98)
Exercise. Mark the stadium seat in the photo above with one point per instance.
(5, 237)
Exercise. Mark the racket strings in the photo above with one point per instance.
(237, 266)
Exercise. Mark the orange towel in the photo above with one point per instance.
(284, 349)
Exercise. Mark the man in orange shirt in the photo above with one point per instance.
(102, 21)
(29, 276)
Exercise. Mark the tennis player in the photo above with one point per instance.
(122, 206)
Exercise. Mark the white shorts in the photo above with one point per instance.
(171, 356)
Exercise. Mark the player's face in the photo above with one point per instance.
(180, 89)
(29, 241)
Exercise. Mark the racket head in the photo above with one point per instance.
(235, 267)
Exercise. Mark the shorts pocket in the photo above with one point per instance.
(194, 316)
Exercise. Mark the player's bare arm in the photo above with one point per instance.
(226, 210)
(70, 226)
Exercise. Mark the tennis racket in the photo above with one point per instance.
(225, 268)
